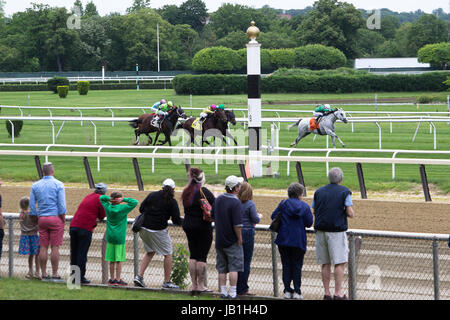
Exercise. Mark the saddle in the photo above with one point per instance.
(197, 124)
(313, 125)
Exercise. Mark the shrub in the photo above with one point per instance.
(63, 91)
(18, 124)
(282, 58)
(317, 56)
(180, 268)
(83, 87)
(54, 82)
(217, 59)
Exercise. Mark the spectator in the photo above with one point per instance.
(29, 239)
(250, 217)
(116, 231)
(2, 232)
(158, 208)
(291, 238)
(227, 215)
(83, 224)
(199, 232)
(332, 204)
(48, 203)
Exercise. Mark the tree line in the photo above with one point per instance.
(40, 39)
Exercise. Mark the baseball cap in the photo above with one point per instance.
(101, 187)
(233, 181)
(169, 182)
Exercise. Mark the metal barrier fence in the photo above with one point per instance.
(382, 265)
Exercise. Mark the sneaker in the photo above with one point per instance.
(288, 295)
(85, 281)
(340, 298)
(169, 285)
(297, 296)
(112, 282)
(121, 283)
(139, 281)
(224, 296)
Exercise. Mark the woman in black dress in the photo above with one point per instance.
(198, 231)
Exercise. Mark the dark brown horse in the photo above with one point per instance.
(218, 120)
(143, 125)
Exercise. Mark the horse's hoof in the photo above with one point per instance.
(343, 146)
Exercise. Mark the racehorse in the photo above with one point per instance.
(326, 126)
(143, 125)
(226, 133)
(218, 120)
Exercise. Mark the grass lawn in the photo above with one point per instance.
(120, 171)
(15, 289)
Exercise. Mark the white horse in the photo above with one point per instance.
(326, 126)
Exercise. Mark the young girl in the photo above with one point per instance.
(29, 239)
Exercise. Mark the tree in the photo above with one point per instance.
(368, 42)
(234, 40)
(91, 10)
(171, 13)
(79, 5)
(138, 5)
(389, 26)
(2, 12)
(388, 49)
(401, 40)
(217, 59)
(318, 57)
(437, 54)
(193, 13)
(332, 23)
(428, 29)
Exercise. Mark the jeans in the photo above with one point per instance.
(248, 243)
(80, 241)
(292, 261)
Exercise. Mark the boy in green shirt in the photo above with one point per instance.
(116, 231)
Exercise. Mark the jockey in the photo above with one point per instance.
(321, 111)
(162, 113)
(156, 106)
(208, 110)
(221, 107)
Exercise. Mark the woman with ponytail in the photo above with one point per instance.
(198, 231)
(158, 208)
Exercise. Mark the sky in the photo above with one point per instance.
(108, 6)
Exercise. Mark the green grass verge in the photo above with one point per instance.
(16, 289)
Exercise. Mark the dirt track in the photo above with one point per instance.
(406, 216)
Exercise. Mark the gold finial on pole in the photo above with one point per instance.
(253, 31)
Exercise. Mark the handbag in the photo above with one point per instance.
(206, 207)
(276, 223)
(138, 223)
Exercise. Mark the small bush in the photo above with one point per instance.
(180, 268)
(63, 91)
(54, 82)
(18, 124)
(83, 87)
(425, 98)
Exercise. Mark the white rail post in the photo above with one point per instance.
(95, 131)
(379, 135)
(12, 130)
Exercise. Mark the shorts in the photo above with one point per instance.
(230, 259)
(29, 245)
(156, 241)
(331, 247)
(115, 252)
(51, 231)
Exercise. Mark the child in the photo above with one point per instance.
(116, 231)
(29, 239)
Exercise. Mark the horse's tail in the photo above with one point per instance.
(294, 125)
(134, 123)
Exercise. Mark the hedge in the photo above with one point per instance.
(93, 86)
(83, 87)
(333, 83)
(54, 82)
(63, 91)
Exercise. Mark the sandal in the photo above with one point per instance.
(29, 276)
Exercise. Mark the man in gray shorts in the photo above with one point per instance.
(332, 205)
(227, 215)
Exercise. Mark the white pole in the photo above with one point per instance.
(254, 100)
(103, 74)
(157, 34)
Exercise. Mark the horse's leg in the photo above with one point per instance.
(334, 136)
(137, 137)
(150, 140)
(156, 138)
